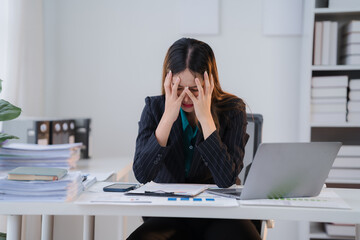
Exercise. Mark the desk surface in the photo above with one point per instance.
(122, 166)
(351, 196)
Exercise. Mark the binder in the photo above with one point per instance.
(42, 132)
(71, 131)
(82, 134)
(56, 132)
(65, 131)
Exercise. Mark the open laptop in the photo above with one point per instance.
(286, 170)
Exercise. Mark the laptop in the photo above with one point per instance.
(286, 170)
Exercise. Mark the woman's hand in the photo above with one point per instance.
(172, 109)
(202, 104)
(172, 100)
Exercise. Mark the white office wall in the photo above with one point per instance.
(3, 39)
(102, 58)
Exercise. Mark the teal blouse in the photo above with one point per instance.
(189, 135)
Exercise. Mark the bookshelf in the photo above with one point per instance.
(311, 128)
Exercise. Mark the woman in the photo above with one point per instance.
(193, 133)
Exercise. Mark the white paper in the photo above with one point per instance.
(116, 198)
(173, 188)
(326, 199)
(37, 147)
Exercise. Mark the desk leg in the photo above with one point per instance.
(88, 229)
(14, 227)
(357, 232)
(47, 226)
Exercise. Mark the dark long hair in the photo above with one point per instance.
(198, 57)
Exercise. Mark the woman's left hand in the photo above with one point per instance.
(202, 104)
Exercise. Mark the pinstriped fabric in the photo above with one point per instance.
(223, 151)
(218, 159)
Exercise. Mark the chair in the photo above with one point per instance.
(254, 129)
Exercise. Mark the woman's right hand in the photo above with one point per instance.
(172, 100)
(172, 109)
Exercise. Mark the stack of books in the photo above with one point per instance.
(40, 184)
(33, 155)
(325, 43)
(351, 53)
(328, 99)
(346, 168)
(354, 101)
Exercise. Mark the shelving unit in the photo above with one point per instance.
(318, 232)
(348, 132)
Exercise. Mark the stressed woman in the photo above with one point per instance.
(193, 133)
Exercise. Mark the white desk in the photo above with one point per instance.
(352, 197)
(15, 209)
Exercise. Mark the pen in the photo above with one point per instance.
(159, 193)
(84, 177)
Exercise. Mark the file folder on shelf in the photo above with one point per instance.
(56, 132)
(45, 131)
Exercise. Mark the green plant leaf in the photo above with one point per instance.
(5, 136)
(8, 111)
(0, 85)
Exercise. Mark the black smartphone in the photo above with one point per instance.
(120, 187)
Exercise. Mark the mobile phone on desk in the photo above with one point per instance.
(120, 187)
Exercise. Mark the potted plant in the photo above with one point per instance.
(7, 112)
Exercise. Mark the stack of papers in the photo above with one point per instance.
(33, 155)
(169, 189)
(96, 196)
(65, 189)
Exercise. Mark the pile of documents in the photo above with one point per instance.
(65, 189)
(33, 155)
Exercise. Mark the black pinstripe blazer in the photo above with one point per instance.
(218, 159)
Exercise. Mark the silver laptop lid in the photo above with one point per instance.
(289, 169)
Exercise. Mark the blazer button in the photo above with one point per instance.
(206, 163)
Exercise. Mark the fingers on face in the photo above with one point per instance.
(176, 85)
(182, 95)
(199, 87)
(167, 82)
(212, 83)
(209, 82)
(189, 93)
